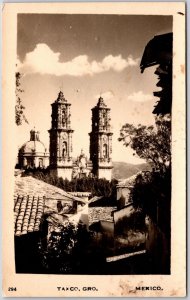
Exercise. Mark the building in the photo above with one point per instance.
(101, 141)
(41, 209)
(33, 153)
(61, 163)
(82, 167)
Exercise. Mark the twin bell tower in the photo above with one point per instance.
(61, 146)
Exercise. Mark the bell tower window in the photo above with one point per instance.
(63, 118)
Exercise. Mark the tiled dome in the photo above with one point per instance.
(33, 146)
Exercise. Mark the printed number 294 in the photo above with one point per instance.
(12, 289)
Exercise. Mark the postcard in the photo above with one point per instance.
(94, 149)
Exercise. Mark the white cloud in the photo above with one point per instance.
(43, 60)
(140, 97)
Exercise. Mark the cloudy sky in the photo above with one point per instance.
(87, 56)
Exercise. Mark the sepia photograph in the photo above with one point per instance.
(92, 166)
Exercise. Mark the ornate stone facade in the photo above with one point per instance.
(60, 161)
(60, 133)
(82, 167)
(101, 141)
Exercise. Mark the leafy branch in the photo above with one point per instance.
(19, 107)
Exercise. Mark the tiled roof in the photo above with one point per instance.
(33, 198)
(34, 187)
(80, 194)
(28, 212)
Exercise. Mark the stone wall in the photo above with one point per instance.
(100, 213)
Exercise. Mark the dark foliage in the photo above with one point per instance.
(19, 108)
(152, 193)
(97, 187)
(135, 222)
(152, 190)
(55, 257)
(65, 250)
(150, 143)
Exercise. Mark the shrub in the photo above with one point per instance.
(97, 187)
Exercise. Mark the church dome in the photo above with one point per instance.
(34, 145)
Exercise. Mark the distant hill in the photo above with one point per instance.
(123, 170)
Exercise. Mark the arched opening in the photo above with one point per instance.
(30, 162)
(105, 151)
(64, 150)
(63, 118)
(40, 162)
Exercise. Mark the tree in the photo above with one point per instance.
(57, 257)
(150, 143)
(19, 108)
(66, 249)
(151, 192)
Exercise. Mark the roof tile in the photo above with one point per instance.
(28, 214)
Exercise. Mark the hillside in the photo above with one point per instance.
(123, 170)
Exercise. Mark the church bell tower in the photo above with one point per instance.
(61, 139)
(101, 141)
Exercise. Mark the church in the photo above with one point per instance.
(33, 153)
(61, 162)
